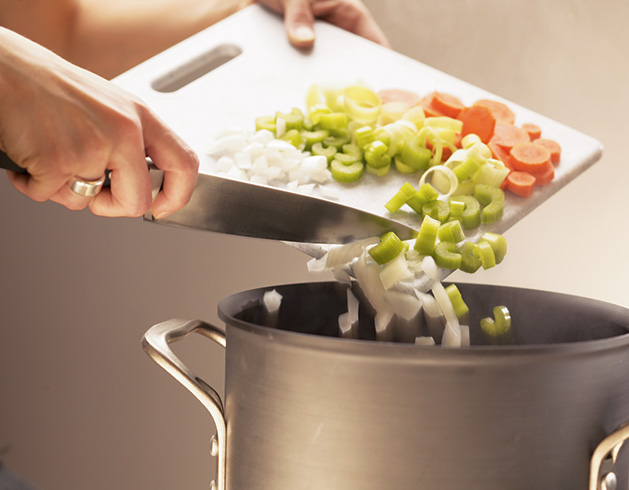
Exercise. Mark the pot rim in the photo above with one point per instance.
(232, 305)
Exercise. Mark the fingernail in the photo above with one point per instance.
(303, 34)
(160, 215)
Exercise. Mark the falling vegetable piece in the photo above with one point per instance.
(390, 246)
(499, 325)
(460, 308)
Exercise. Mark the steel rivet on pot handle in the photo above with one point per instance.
(603, 463)
(155, 343)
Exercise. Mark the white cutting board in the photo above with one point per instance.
(269, 75)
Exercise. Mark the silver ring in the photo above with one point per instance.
(86, 188)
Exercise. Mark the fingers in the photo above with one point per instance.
(179, 163)
(299, 23)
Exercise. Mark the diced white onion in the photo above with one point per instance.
(424, 341)
(272, 300)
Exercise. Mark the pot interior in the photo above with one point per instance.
(538, 317)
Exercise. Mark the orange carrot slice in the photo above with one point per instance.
(544, 177)
(520, 183)
(447, 104)
(507, 135)
(478, 120)
(501, 154)
(529, 157)
(399, 95)
(533, 130)
(500, 111)
(553, 147)
(427, 103)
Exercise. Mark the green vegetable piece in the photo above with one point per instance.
(308, 125)
(426, 193)
(414, 154)
(427, 236)
(445, 255)
(485, 253)
(390, 247)
(293, 137)
(328, 152)
(337, 139)
(294, 119)
(471, 216)
(382, 135)
(334, 121)
(364, 135)
(312, 137)
(452, 231)
(493, 198)
(378, 172)
(376, 154)
(460, 308)
(400, 198)
(439, 210)
(266, 122)
(456, 210)
(499, 325)
(350, 154)
(469, 262)
(498, 244)
(346, 173)
(466, 169)
(402, 168)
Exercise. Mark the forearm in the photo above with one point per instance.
(111, 37)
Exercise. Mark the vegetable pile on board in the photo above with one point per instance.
(466, 157)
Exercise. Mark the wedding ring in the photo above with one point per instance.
(86, 188)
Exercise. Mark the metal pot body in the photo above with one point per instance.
(306, 411)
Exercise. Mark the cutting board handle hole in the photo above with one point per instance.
(190, 71)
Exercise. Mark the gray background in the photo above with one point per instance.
(81, 406)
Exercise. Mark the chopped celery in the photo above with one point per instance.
(471, 216)
(402, 168)
(485, 253)
(312, 137)
(498, 245)
(426, 193)
(364, 136)
(378, 172)
(400, 198)
(467, 168)
(328, 152)
(352, 151)
(469, 262)
(499, 325)
(315, 112)
(346, 173)
(427, 236)
(414, 154)
(390, 246)
(294, 119)
(266, 122)
(439, 210)
(334, 121)
(337, 139)
(460, 308)
(445, 255)
(451, 232)
(293, 137)
(493, 198)
(361, 103)
(376, 154)
(457, 208)
(491, 174)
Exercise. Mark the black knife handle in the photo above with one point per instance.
(8, 164)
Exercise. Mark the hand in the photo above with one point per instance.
(58, 121)
(350, 15)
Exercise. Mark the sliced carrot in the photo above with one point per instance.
(427, 103)
(478, 120)
(553, 147)
(544, 177)
(399, 95)
(501, 154)
(507, 135)
(500, 110)
(520, 183)
(449, 105)
(533, 130)
(529, 157)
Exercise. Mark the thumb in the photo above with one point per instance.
(299, 23)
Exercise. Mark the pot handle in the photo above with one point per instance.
(603, 463)
(155, 342)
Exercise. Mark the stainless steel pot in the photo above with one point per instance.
(306, 410)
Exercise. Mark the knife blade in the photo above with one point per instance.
(222, 205)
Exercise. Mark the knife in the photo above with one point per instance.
(223, 205)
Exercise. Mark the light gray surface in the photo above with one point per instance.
(78, 397)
